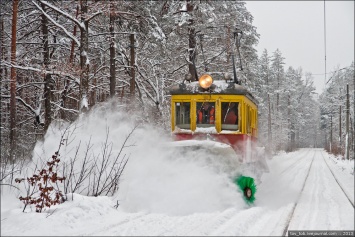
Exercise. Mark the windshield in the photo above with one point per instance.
(205, 114)
(230, 115)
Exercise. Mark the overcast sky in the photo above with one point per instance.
(296, 28)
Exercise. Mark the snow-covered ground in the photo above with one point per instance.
(171, 193)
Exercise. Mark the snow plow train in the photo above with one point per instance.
(210, 112)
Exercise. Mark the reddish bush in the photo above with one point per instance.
(44, 182)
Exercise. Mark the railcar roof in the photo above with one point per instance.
(218, 87)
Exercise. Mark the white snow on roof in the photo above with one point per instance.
(194, 86)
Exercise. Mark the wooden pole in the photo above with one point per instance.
(354, 114)
(347, 122)
(340, 131)
(331, 132)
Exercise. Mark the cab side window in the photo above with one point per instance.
(182, 114)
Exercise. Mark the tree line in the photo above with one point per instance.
(61, 58)
(337, 112)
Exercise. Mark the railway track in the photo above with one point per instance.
(306, 170)
(119, 223)
(298, 198)
(291, 215)
(341, 187)
(232, 218)
(303, 156)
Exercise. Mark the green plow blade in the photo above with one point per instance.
(247, 186)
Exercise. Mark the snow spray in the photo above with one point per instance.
(156, 179)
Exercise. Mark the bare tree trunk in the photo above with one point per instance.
(13, 83)
(192, 53)
(278, 118)
(289, 122)
(71, 59)
(269, 132)
(228, 44)
(3, 70)
(192, 43)
(293, 137)
(277, 94)
(73, 41)
(112, 52)
(48, 85)
(84, 62)
(93, 92)
(132, 83)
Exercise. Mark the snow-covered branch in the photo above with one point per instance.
(66, 109)
(115, 33)
(55, 23)
(177, 69)
(80, 24)
(52, 72)
(94, 15)
(29, 107)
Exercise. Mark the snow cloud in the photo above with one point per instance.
(158, 177)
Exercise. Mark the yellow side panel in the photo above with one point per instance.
(172, 116)
(218, 119)
(193, 115)
(252, 110)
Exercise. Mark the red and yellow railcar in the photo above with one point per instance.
(224, 112)
(217, 110)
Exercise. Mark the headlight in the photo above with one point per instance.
(205, 81)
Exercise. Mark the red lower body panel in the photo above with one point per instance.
(238, 142)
